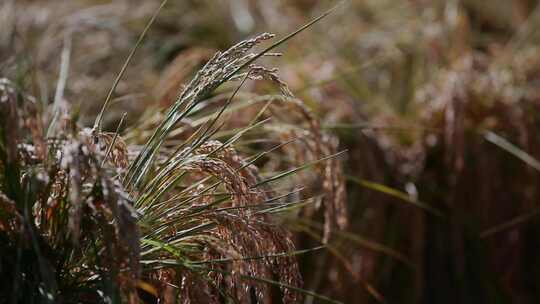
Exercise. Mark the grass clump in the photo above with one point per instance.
(87, 217)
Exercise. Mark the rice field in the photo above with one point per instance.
(244, 151)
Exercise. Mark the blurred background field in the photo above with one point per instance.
(435, 102)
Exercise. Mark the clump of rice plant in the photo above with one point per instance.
(86, 216)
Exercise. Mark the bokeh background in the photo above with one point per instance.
(436, 102)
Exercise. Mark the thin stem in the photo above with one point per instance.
(99, 118)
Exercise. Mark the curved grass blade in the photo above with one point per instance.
(365, 243)
(284, 254)
(297, 169)
(394, 193)
(509, 147)
(99, 118)
(520, 219)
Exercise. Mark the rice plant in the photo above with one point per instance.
(87, 217)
